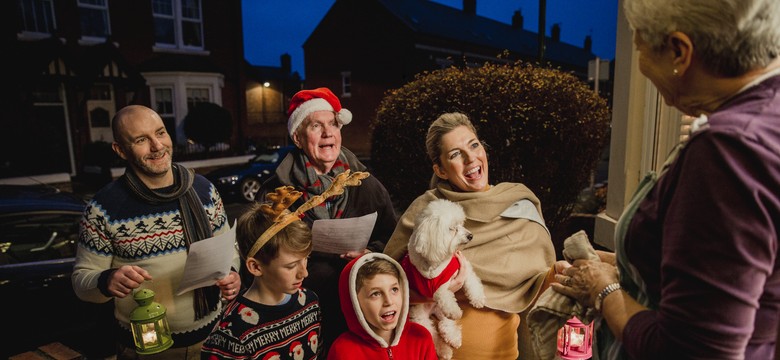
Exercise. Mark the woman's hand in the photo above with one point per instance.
(584, 280)
(560, 266)
(230, 285)
(457, 280)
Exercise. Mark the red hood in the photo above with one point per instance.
(351, 309)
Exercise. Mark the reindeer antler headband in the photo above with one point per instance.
(284, 196)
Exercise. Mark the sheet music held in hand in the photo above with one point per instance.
(208, 261)
(338, 236)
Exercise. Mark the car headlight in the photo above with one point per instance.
(232, 179)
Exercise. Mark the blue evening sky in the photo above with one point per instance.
(275, 27)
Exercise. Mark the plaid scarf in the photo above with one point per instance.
(194, 221)
(313, 184)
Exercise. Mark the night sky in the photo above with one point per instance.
(275, 27)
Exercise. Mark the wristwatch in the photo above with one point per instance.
(606, 291)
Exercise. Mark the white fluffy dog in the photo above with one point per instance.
(430, 265)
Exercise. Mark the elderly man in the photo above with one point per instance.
(314, 124)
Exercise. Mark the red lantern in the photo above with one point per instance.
(575, 340)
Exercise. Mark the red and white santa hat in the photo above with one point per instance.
(306, 102)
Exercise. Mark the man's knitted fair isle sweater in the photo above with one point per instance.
(118, 228)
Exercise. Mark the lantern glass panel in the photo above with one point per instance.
(575, 340)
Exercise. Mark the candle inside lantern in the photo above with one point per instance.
(149, 335)
(576, 338)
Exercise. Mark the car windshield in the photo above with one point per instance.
(38, 236)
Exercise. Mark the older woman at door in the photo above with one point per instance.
(696, 271)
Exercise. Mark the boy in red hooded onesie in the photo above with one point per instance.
(374, 295)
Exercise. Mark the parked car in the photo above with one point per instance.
(38, 238)
(243, 181)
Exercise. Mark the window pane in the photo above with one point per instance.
(163, 101)
(162, 7)
(37, 15)
(94, 22)
(191, 34)
(163, 104)
(163, 31)
(346, 83)
(190, 9)
(196, 96)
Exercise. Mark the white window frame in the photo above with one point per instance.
(180, 82)
(178, 19)
(88, 39)
(105, 102)
(644, 131)
(34, 33)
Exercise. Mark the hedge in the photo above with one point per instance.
(543, 127)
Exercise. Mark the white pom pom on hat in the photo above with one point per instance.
(306, 102)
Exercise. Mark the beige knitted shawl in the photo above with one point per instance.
(510, 255)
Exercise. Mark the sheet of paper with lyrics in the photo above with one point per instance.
(208, 261)
(338, 236)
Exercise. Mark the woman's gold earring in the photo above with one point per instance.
(674, 72)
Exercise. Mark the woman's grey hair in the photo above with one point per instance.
(440, 127)
(731, 37)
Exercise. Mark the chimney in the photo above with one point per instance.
(517, 20)
(470, 7)
(555, 33)
(286, 61)
(588, 43)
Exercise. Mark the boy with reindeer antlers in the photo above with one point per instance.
(275, 318)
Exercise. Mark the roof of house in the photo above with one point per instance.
(262, 72)
(51, 57)
(431, 18)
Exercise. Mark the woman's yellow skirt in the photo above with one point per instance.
(487, 334)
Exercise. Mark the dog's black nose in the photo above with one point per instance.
(469, 236)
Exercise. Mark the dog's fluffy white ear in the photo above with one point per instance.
(431, 238)
(415, 243)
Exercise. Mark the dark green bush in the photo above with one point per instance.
(100, 153)
(543, 127)
(208, 123)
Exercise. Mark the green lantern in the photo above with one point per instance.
(150, 327)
